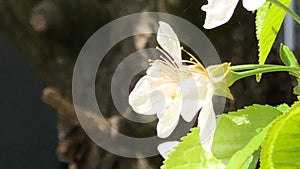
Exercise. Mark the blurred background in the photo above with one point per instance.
(39, 43)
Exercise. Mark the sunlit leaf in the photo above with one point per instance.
(190, 155)
(289, 59)
(236, 129)
(283, 108)
(287, 56)
(269, 18)
(281, 149)
(240, 159)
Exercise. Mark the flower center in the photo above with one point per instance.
(176, 95)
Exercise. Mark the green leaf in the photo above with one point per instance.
(255, 157)
(269, 18)
(190, 155)
(289, 59)
(281, 149)
(283, 108)
(260, 18)
(251, 161)
(236, 129)
(240, 159)
(297, 88)
(287, 56)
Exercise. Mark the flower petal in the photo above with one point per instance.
(150, 96)
(140, 101)
(165, 148)
(207, 124)
(218, 12)
(168, 120)
(168, 40)
(194, 90)
(159, 70)
(252, 5)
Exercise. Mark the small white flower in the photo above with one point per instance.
(219, 12)
(174, 87)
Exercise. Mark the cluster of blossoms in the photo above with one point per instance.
(173, 87)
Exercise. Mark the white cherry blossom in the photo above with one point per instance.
(219, 12)
(173, 87)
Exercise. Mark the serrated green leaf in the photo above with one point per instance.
(240, 159)
(287, 56)
(236, 129)
(190, 155)
(260, 18)
(269, 18)
(283, 108)
(281, 149)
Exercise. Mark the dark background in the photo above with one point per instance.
(39, 43)
(28, 126)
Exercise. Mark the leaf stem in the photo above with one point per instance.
(250, 66)
(260, 69)
(292, 13)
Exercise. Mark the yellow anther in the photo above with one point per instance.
(176, 95)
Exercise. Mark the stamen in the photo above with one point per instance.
(168, 65)
(188, 61)
(168, 57)
(193, 58)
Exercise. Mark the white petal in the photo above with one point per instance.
(158, 69)
(168, 40)
(194, 91)
(252, 5)
(218, 12)
(207, 124)
(168, 120)
(150, 96)
(139, 98)
(165, 148)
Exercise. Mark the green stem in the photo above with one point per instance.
(292, 13)
(261, 69)
(250, 66)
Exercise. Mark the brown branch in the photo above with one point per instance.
(63, 107)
